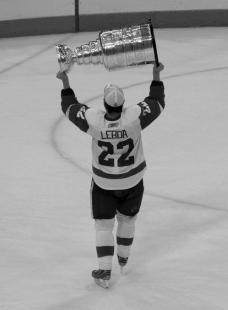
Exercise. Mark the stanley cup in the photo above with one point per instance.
(114, 49)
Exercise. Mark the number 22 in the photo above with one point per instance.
(123, 160)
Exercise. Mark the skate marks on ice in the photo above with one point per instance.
(172, 269)
(186, 256)
(120, 295)
(94, 297)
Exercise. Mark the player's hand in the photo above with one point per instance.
(61, 75)
(64, 78)
(158, 68)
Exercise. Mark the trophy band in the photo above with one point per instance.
(117, 48)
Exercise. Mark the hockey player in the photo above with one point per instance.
(118, 164)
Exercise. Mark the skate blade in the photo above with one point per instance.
(102, 283)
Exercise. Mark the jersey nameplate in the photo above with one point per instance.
(113, 134)
(145, 108)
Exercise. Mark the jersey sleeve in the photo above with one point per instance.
(74, 110)
(153, 105)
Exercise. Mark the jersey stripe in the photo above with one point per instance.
(68, 110)
(124, 241)
(130, 173)
(160, 106)
(105, 251)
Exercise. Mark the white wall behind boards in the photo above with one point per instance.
(37, 17)
(113, 6)
(20, 9)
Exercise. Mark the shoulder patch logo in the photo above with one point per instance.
(145, 108)
(81, 112)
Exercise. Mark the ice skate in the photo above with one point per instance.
(122, 262)
(102, 277)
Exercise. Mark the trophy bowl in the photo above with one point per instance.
(117, 48)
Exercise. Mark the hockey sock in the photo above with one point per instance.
(125, 234)
(104, 243)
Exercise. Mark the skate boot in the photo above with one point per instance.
(122, 262)
(102, 277)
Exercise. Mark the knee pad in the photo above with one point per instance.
(104, 225)
(125, 218)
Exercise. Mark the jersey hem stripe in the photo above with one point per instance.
(130, 173)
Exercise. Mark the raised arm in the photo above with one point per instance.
(74, 110)
(153, 105)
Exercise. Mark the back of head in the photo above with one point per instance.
(113, 96)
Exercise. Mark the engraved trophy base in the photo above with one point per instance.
(117, 48)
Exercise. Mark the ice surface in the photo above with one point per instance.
(47, 245)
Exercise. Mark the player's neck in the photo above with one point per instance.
(112, 116)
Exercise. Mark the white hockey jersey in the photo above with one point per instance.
(117, 154)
